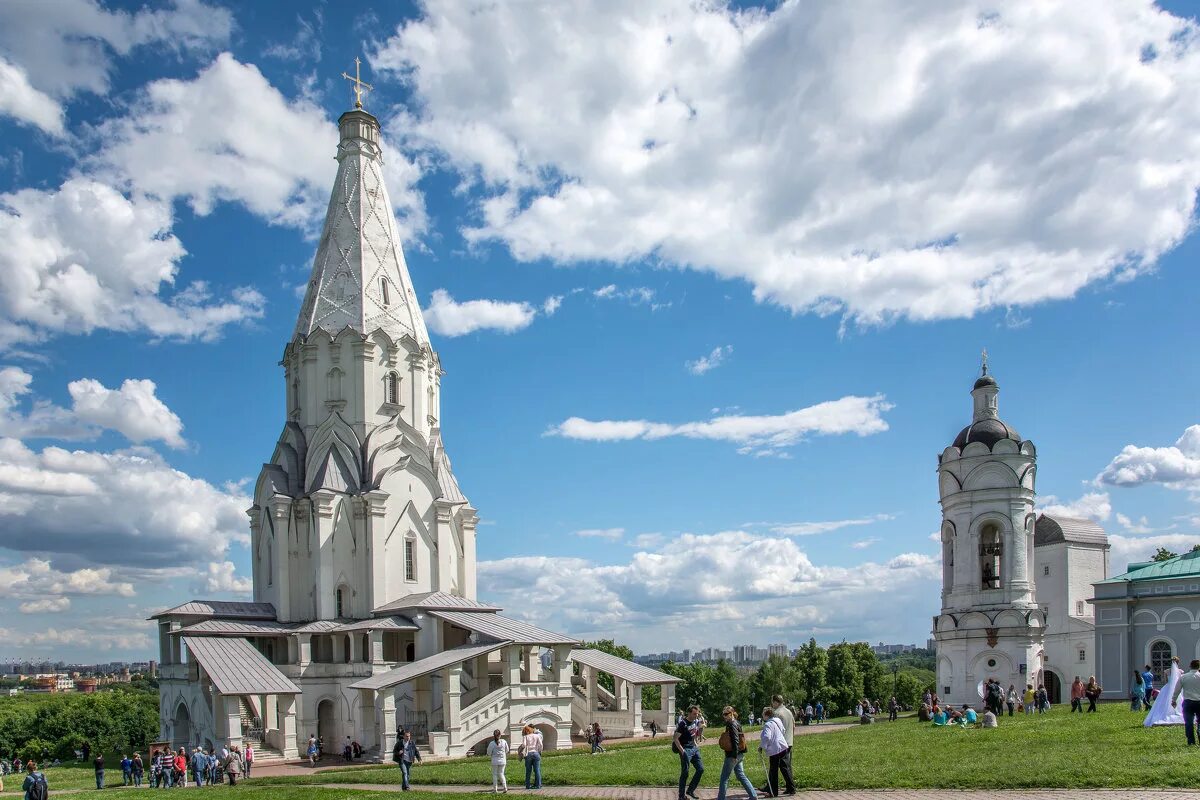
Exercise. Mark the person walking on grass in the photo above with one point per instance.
(733, 742)
(497, 751)
(233, 766)
(1011, 699)
(597, 739)
(406, 755)
(199, 765)
(35, 786)
(1189, 686)
(1077, 695)
(1148, 681)
(1137, 692)
(139, 769)
(249, 759)
(1092, 693)
(530, 752)
(98, 765)
(312, 750)
(686, 742)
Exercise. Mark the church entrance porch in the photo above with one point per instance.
(181, 727)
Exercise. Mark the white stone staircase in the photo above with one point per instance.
(484, 715)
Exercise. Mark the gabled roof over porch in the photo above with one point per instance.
(220, 608)
(621, 668)
(236, 667)
(430, 601)
(414, 670)
(498, 627)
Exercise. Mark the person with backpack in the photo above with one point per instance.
(733, 742)
(35, 785)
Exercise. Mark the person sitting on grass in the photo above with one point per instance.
(940, 718)
(968, 714)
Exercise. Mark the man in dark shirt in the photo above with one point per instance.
(688, 735)
(98, 763)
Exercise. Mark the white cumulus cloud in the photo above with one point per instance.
(1092, 505)
(1177, 467)
(448, 317)
(611, 534)
(85, 257)
(222, 577)
(35, 578)
(851, 414)
(20, 100)
(926, 162)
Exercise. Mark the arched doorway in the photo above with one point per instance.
(327, 727)
(549, 735)
(181, 727)
(1053, 687)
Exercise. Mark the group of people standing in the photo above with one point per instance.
(169, 768)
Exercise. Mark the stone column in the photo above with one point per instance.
(304, 649)
(281, 515)
(621, 692)
(376, 647)
(287, 724)
(589, 677)
(512, 664)
(635, 703)
(385, 720)
(324, 503)
(443, 534)
(339, 648)
(452, 683)
(668, 703)
(534, 664)
(468, 519)
(376, 536)
(231, 706)
(562, 666)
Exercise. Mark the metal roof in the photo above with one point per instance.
(451, 493)
(443, 601)
(498, 627)
(620, 668)
(415, 669)
(221, 608)
(232, 627)
(1184, 566)
(395, 623)
(1051, 530)
(235, 667)
(318, 626)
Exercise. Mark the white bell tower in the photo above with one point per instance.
(990, 626)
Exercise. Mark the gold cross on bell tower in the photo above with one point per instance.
(359, 85)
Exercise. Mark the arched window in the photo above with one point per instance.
(991, 548)
(947, 558)
(333, 389)
(410, 652)
(295, 395)
(410, 559)
(339, 602)
(391, 388)
(1160, 660)
(384, 295)
(270, 563)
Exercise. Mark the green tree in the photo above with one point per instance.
(776, 675)
(728, 688)
(908, 690)
(844, 680)
(811, 662)
(1163, 554)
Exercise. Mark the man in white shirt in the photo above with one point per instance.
(772, 742)
(788, 723)
(1189, 687)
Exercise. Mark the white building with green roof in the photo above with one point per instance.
(1147, 616)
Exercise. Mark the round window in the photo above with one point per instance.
(991, 662)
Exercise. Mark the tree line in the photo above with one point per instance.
(838, 676)
(42, 726)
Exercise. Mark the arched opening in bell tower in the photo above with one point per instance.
(991, 549)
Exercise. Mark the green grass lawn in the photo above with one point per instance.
(1109, 749)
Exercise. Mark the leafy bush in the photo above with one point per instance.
(58, 724)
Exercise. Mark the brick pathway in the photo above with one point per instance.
(661, 793)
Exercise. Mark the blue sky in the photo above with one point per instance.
(822, 205)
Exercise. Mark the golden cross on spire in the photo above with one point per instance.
(359, 85)
(984, 361)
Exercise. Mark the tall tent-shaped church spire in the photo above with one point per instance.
(359, 278)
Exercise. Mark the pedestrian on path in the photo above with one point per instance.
(1092, 693)
(531, 751)
(312, 750)
(788, 723)
(596, 739)
(1189, 686)
(772, 742)
(1011, 700)
(497, 751)
(35, 786)
(407, 754)
(98, 764)
(1077, 695)
(1137, 692)
(733, 742)
(233, 766)
(686, 742)
(139, 769)
(249, 759)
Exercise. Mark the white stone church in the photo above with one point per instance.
(1016, 586)
(365, 617)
